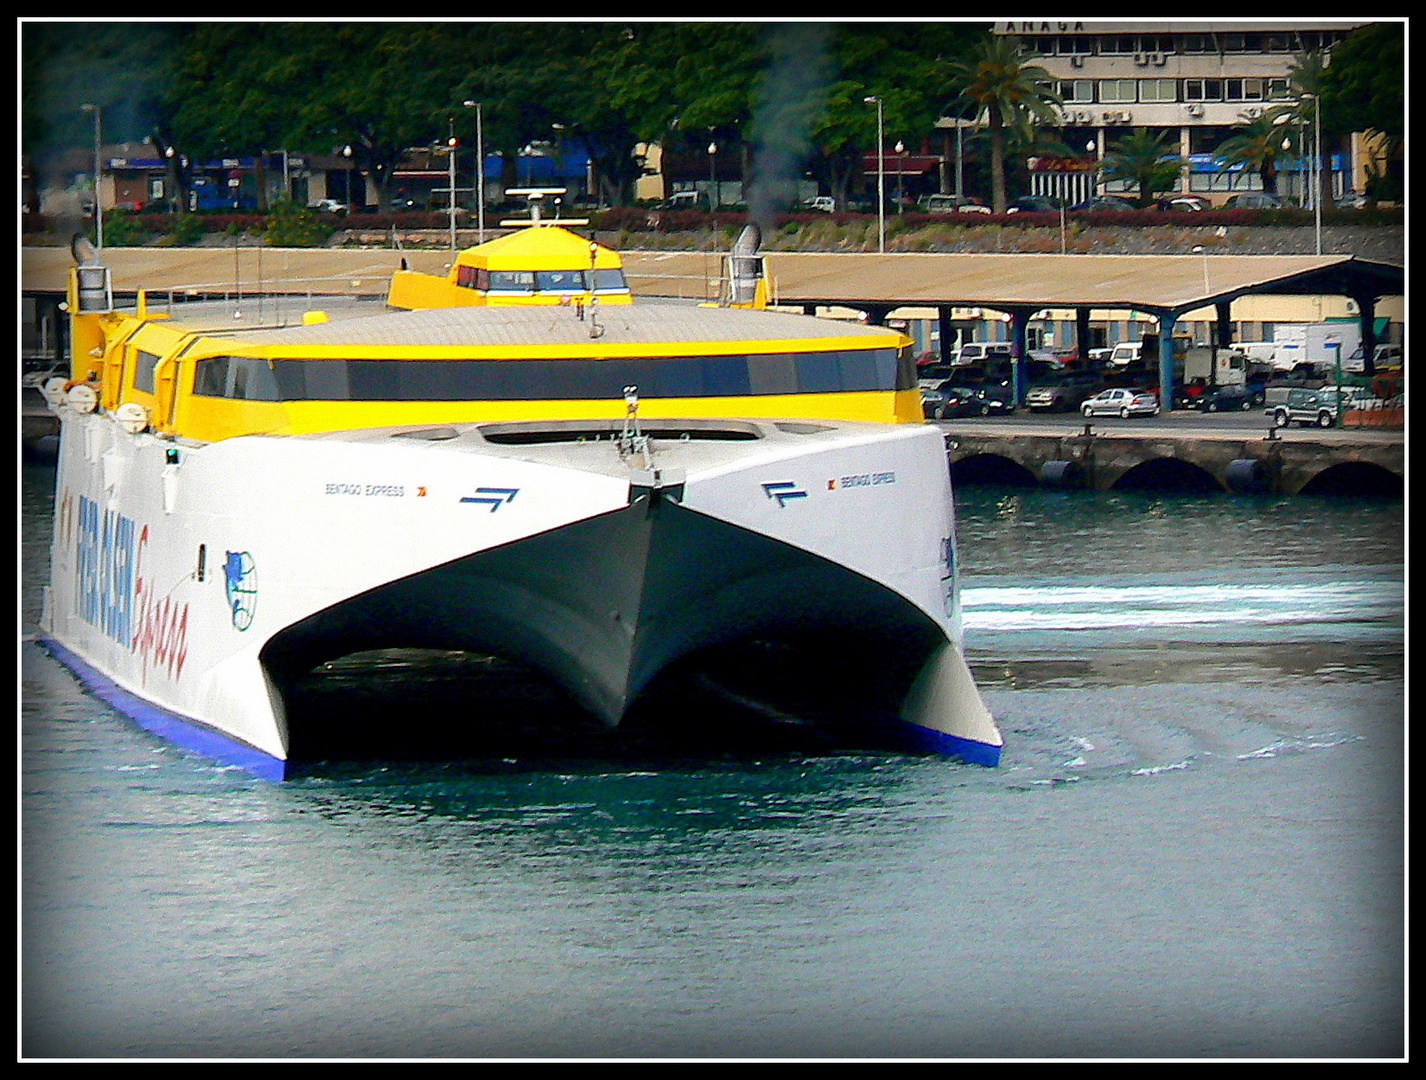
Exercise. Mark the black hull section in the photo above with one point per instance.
(601, 607)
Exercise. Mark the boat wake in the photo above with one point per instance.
(1312, 606)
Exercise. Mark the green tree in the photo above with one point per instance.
(1143, 159)
(125, 69)
(570, 85)
(1008, 92)
(1364, 89)
(375, 87)
(1256, 143)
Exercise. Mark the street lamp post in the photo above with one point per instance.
(713, 200)
(1316, 166)
(900, 176)
(98, 210)
(479, 171)
(873, 99)
(451, 173)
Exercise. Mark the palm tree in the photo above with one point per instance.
(1142, 159)
(1307, 75)
(1256, 144)
(1007, 92)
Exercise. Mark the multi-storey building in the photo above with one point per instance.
(1192, 80)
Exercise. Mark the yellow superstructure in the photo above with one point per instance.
(543, 264)
(456, 352)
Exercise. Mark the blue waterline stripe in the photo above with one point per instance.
(954, 746)
(168, 725)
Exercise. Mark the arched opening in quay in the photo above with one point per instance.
(1356, 478)
(991, 470)
(1168, 474)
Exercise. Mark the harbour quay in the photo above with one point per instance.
(1178, 453)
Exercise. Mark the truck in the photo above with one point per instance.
(1316, 343)
(1220, 367)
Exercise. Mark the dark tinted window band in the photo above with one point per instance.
(547, 380)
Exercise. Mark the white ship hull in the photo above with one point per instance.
(191, 583)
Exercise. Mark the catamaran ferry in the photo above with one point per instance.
(515, 460)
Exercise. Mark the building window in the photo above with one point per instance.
(1118, 91)
(1118, 45)
(1074, 46)
(1243, 89)
(1198, 43)
(1242, 43)
(1157, 43)
(1202, 89)
(1158, 90)
(1077, 91)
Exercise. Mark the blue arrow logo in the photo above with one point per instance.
(495, 498)
(782, 491)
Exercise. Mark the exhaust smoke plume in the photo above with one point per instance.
(790, 98)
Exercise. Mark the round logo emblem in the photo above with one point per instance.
(240, 582)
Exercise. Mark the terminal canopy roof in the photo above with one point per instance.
(1167, 284)
(1157, 284)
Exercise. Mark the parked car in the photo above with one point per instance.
(1035, 204)
(1353, 200)
(1319, 407)
(1227, 398)
(996, 399)
(1189, 203)
(1122, 402)
(1105, 202)
(1254, 200)
(330, 206)
(1063, 392)
(951, 204)
(1386, 357)
(824, 204)
(951, 399)
(930, 376)
(1047, 360)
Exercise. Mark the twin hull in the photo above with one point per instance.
(191, 583)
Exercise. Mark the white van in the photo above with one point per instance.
(1126, 352)
(977, 352)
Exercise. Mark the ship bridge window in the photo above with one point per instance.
(837, 371)
(601, 279)
(511, 281)
(144, 365)
(245, 377)
(559, 281)
(609, 278)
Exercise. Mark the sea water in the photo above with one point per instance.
(1193, 846)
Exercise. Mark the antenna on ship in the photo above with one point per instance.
(534, 197)
(631, 440)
